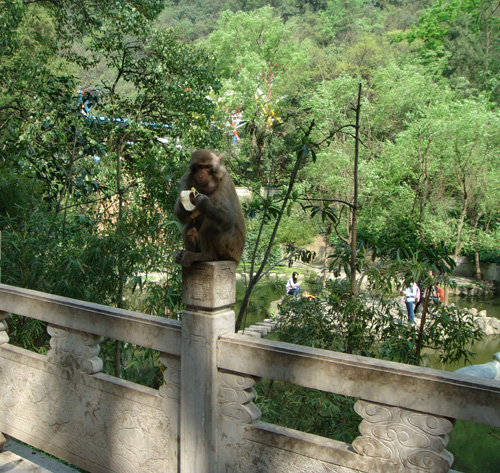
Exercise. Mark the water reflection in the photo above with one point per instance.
(483, 350)
(490, 304)
(486, 348)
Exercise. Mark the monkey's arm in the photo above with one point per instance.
(222, 215)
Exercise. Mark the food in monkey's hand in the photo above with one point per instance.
(188, 198)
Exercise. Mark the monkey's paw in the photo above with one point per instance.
(201, 201)
(186, 258)
(179, 256)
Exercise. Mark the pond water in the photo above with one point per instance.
(267, 291)
(263, 294)
(483, 349)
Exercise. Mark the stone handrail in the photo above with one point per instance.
(146, 330)
(456, 396)
(203, 418)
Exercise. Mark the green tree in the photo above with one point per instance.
(101, 186)
(462, 36)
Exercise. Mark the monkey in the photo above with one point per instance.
(215, 229)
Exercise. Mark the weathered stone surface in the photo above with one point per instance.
(209, 285)
(236, 394)
(4, 337)
(74, 350)
(98, 422)
(210, 289)
(384, 382)
(109, 322)
(203, 419)
(408, 438)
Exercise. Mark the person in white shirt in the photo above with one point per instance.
(293, 286)
(411, 295)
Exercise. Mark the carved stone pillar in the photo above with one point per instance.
(4, 337)
(74, 350)
(208, 291)
(412, 439)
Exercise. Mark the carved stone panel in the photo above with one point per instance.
(412, 439)
(236, 394)
(172, 375)
(4, 337)
(91, 421)
(209, 285)
(74, 350)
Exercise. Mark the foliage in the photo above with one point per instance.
(487, 449)
(27, 333)
(91, 191)
(140, 365)
(308, 410)
(374, 324)
(462, 33)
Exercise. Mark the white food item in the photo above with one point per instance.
(186, 198)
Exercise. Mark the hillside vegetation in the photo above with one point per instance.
(100, 104)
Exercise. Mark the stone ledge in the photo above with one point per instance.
(19, 458)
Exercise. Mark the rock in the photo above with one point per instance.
(483, 313)
(482, 323)
(489, 370)
(495, 324)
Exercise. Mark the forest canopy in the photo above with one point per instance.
(101, 103)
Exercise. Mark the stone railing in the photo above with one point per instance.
(203, 418)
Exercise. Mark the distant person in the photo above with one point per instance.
(293, 286)
(411, 294)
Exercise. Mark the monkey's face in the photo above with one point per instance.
(204, 178)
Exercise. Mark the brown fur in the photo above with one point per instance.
(217, 232)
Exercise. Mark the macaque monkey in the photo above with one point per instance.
(214, 226)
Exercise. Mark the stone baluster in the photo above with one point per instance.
(74, 350)
(172, 376)
(4, 336)
(208, 291)
(236, 394)
(414, 440)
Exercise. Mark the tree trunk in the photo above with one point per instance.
(354, 209)
(479, 275)
(458, 247)
(328, 234)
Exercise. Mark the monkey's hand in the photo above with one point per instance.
(202, 201)
(187, 258)
(178, 256)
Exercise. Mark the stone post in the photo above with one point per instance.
(208, 289)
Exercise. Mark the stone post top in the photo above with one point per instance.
(209, 285)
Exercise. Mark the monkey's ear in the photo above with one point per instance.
(218, 158)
